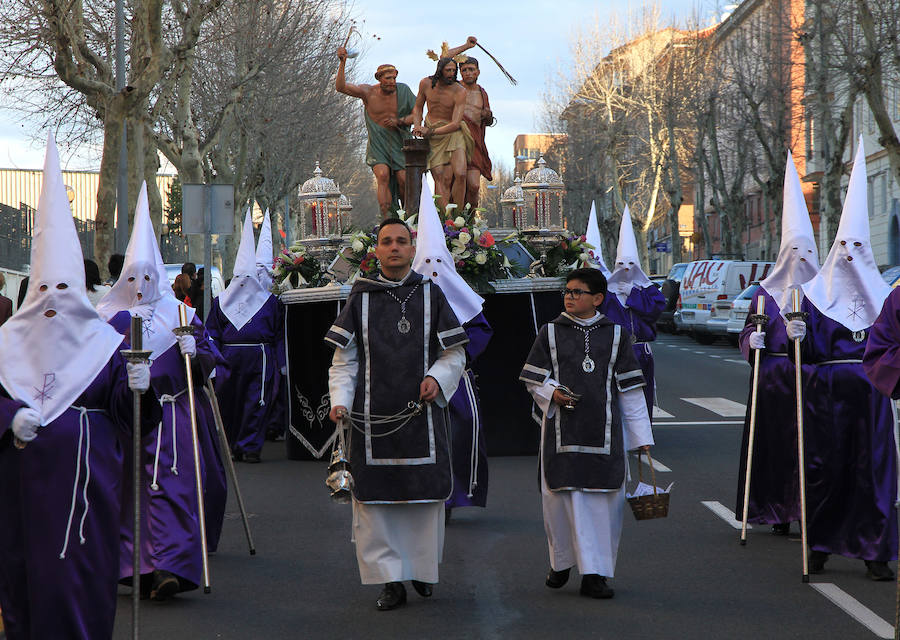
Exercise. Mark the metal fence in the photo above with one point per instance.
(174, 248)
(15, 236)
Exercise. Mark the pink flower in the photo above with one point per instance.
(465, 229)
(460, 263)
(486, 240)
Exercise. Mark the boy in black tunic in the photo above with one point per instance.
(583, 374)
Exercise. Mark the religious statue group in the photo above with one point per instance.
(409, 440)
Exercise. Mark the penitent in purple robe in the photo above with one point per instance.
(774, 481)
(638, 316)
(882, 359)
(170, 534)
(255, 353)
(851, 461)
(469, 455)
(61, 500)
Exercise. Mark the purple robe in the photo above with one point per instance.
(638, 316)
(170, 532)
(882, 358)
(248, 397)
(774, 481)
(61, 499)
(468, 452)
(851, 462)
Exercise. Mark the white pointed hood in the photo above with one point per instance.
(433, 260)
(848, 288)
(143, 287)
(47, 361)
(264, 257)
(245, 295)
(592, 236)
(798, 257)
(627, 272)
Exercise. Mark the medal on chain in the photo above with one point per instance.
(587, 365)
(403, 325)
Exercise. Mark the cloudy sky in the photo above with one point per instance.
(531, 38)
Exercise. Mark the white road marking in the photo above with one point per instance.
(855, 609)
(738, 362)
(696, 423)
(723, 512)
(657, 465)
(659, 413)
(685, 349)
(712, 356)
(722, 406)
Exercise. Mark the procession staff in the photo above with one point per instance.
(171, 548)
(469, 454)
(851, 452)
(774, 490)
(247, 324)
(583, 375)
(635, 303)
(398, 359)
(66, 391)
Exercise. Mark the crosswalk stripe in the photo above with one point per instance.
(855, 609)
(657, 465)
(738, 362)
(723, 512)
(722, 406)
(695, 423)
(660, 413)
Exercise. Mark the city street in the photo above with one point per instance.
(685, 576)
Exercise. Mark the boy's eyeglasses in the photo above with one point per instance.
(575, 293)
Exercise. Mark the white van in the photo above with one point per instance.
(707, 289)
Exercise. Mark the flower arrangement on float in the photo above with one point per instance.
(474, 250)
(294, 268)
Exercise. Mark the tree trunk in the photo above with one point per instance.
(104, 223)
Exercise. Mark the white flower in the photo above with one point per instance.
(506, 262)
(464, 237)
(450, 207)
(480, 257)
(465, 254)
(476, 232)
(357, 246)
(584, 257)
(401, 213)
(460, 222)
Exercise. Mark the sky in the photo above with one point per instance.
(531, 38)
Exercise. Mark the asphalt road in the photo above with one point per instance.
(685, 576)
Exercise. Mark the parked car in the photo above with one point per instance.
(217, 283)
(891, 275)
(669, 288)
(707, 289)
(740, 308)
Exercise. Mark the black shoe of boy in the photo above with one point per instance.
(594, 586)
(392, 596)
(556, 579)
(424, 589)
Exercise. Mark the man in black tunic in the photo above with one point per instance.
(397, 343)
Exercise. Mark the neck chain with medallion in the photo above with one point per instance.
(587, 364)
(403, 325)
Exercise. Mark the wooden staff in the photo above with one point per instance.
(796, 314)
(761, 320)
(186, 329)
(136, 355)
(225, 451)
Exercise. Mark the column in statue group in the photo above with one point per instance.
(171, 552)
(247, 325)
(66, 408)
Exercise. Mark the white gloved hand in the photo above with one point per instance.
(284, 371)
(25, 424)
(796, 329)
(188, 345)
(138, 376)
(758, 340)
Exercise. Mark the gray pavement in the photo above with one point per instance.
(679, 577)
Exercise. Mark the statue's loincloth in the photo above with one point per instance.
(443, 146)
(480, 159)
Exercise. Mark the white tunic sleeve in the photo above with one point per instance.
(635, 419)
(447, 371)
(543, 395)
(342, 375)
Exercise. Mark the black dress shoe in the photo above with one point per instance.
(594, 586)
(165, 586)
(424, 589)
(237, 456)
(252, 457)
(781, 529)
(556, 579)
(817, 560)
(392, 596)
(878, 571)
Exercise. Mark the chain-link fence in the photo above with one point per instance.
(15, 236)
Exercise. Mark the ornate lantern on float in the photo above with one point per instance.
(344, 209)
(513, 203)
(543, 190)
(319, 197)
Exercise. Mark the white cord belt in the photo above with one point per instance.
(262, 383)
(84, 436)
(165, 399)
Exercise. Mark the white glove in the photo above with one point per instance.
(138, 376)
(796, 329)
(25, 424)
(758, 340)
(284, 371)
(188, 345)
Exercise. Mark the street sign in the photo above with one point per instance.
(193, 208)
(662, 247)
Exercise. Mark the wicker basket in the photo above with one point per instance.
(650, 506)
